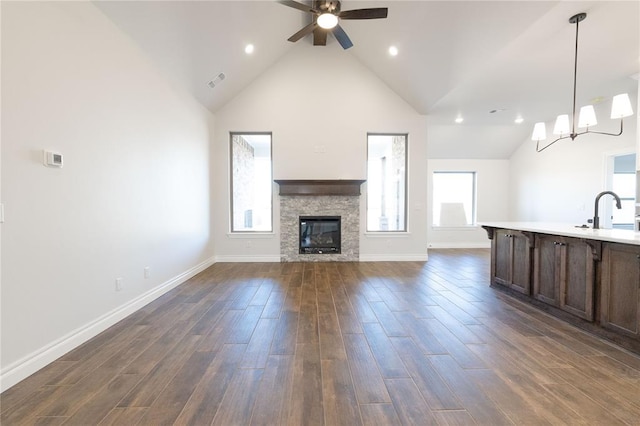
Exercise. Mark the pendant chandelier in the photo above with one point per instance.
(620, 108)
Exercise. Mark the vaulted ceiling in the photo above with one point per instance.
(455, 58)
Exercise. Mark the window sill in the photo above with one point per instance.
(455, 228)
(387, 234)
(251, 235)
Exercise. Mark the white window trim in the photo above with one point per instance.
(405, 232)
(230, 162)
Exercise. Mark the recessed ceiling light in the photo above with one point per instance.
(248, 49)
(518, 120)
(393, 51)
(459, 119)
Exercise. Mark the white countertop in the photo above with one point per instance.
(569, 230)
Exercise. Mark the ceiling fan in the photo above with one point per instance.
(326, 15)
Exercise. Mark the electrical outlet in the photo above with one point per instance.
(118, 284)
(147, 272)
(248, 245)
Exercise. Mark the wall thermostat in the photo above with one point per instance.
(52, 159)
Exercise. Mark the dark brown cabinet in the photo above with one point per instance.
(511, 259)
(620, 298)
(590, 283)
(564, 273)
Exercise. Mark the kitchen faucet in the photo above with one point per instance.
(596, 219)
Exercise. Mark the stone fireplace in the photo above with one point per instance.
(328, 198)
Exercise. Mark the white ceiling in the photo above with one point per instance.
(456, 57)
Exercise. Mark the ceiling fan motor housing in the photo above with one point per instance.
(327, 6)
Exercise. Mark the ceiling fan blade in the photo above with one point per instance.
(319, 37)
(299, 6)
(375, 13)
(303, 32)
(342, 37)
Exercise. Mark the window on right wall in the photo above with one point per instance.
(454, 199)
(624, 184)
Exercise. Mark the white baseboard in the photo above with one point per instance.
(36, 360)
(363, 258)
(423, 257)
(459, 245)
(258, 258)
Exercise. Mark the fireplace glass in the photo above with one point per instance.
(319, 234)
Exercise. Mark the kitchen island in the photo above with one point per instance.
(588, 277)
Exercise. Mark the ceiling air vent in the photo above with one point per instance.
(217, 80)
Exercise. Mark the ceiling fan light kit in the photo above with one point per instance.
(327, 21)
(620, 108)
(326, 18)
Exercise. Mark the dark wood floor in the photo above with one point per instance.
(336, 343)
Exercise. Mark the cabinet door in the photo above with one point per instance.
(564, 274)
(512, 257)
(546, 275)
(577, 277)
(521, 263)
(620, 309)
(502, 257)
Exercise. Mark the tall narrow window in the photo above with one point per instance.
(454, 199)
(251, 183)
(386, 182)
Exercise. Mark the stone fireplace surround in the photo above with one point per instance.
(319, 198)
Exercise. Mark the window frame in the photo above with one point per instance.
(474, 199)
(231, 211)
(623, 225)
(406, 186)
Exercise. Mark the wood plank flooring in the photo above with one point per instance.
(336, 343)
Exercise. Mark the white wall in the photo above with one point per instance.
(320, 97)
(133, 192)
(492, 188)
(560, 183)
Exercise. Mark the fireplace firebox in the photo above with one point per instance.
(320, 235)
